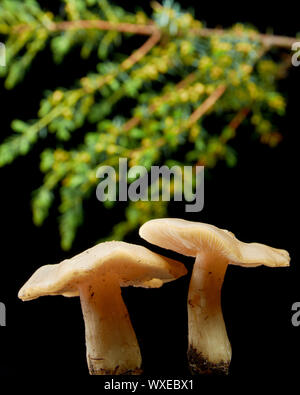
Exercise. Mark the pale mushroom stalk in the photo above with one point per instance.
(111, 344)
(209, 347)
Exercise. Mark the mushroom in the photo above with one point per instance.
(96, 275)
(209, 349)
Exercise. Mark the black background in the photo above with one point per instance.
(257, 200)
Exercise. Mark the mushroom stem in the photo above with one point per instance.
(111, 344)
(209, 348)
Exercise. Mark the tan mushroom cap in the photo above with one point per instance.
(190, 238)
(134, 265)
